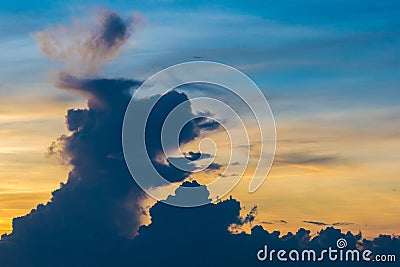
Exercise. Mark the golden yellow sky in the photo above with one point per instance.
(334, 168)
(27, 175)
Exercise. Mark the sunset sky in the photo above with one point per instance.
(331, 76)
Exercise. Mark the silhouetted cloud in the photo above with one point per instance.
(185, 234)
(196, 155)
(264, 222)
(179, 236)
(249, 218)
(327, 224)
(192, 155)
(213, 167)
(342, 223)
(100, 200)
(275, 222)
(56, 150)
(193, 129)
(316, 223)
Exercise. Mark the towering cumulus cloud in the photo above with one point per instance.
(93, 219)
(97, 209)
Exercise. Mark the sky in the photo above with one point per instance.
(330, 72)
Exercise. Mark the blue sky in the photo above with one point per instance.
(286, 46)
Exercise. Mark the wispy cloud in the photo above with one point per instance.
(306, 159)
(85, 50)
(328, 224)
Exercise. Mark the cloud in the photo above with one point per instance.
(196, 155)
(193, 129)
(214, 166)
(179, 235)
(98, 91)
(181, 162)
(84, 51)
(275, 221)
(264, 222)
(249, 218)
(327, 224)
(305, 158)
(192, 155)
(316, 223)
(56, 149)
(342, 223)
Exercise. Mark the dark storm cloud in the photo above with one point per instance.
(101, 93)
(99, 201)
(185, 236)
(99, 97)
(191, 130)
